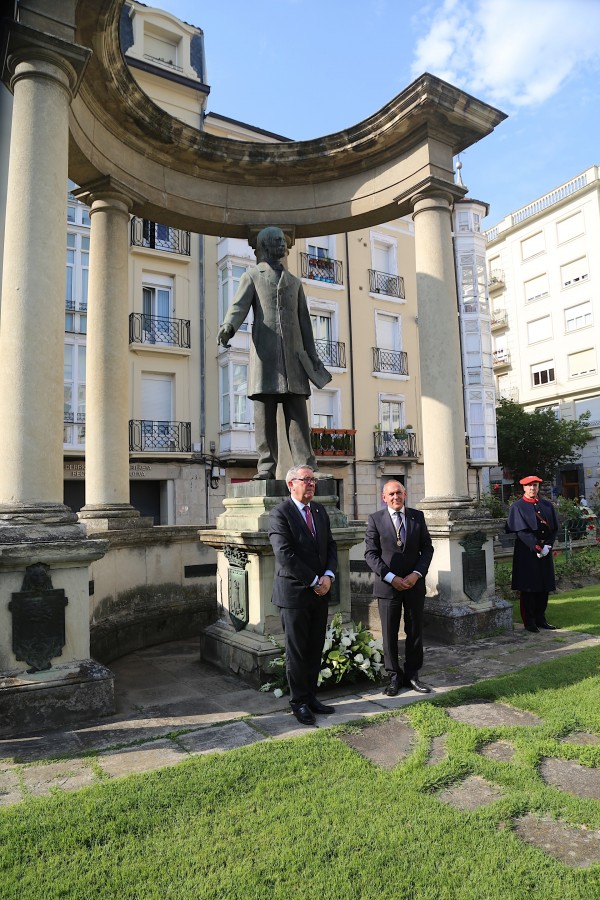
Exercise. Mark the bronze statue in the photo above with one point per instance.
(283, 356)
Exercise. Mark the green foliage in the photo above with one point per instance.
(494, 506)
(580, 563)
(535, 443)
(349, 651)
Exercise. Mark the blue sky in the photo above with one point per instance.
(304, 68)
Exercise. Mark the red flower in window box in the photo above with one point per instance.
(555, 553)
(591, 527)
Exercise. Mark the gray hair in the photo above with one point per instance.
(294, 471)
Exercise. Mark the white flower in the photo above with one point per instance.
(326, 673)
(376, 645)
(365, 665)
(351, 634)
(327, 644)
(359, 658)
(278, 693)
(376, 656)
(267, 686)
(345, 641)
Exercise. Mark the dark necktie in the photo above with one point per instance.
(400, 530)
(309, 520)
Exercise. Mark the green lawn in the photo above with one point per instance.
(310, 818)
(577, 610)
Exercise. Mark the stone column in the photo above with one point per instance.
(107, 365)
(33, 290)
(461, 602)
(444, 452)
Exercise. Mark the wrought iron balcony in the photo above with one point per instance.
(333, 441)
(395, 362)
(496, 280)
(145, 329)
(332, 353)
(383, 283)
(162, 437)
(395, 443)
(499, 319)
(145, 233)
(318, 269)
(500, 358)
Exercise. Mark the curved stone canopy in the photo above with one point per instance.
(180, 176)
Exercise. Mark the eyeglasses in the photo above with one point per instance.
(306, 480)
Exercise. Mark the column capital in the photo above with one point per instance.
(435, 192)
(27, 45)
(109, 190)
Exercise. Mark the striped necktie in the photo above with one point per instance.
(400, 530)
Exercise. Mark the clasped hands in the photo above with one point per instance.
(406, 583)
(323, 586)
(544, 551)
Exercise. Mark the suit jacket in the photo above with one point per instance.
(383, 554)
(280, 330)
(298, 555)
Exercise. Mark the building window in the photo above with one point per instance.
(157, 309)
(533, 245)
(229, 281)
(78, 267)
(74, 394)
(323, 406)
(574, 272)
(388, 330)
(539, 330)
(536, 288)
(569, 228)
(582, 363)
(472, 283)
(591, 405)
(543, 373)
(391, 413)
(235, 406)
(578, 316)
(161, 47)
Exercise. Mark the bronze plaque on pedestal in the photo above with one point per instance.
(38, 619)
(237, 585)
(474, 567)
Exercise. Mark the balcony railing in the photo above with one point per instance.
(395, 443)
(145, 233)
(331, 353)
(333, 441)
(163, 437)
(317, 269)
(500, 358)
(145, 329)
(496, 279)
(383, 283)
(395, 362)
(499, 318)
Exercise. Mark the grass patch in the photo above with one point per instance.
(311, 818)
(576, 610)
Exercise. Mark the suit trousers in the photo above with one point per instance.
(533, 607)
(390, 612)
(304, 630)
(296, 426)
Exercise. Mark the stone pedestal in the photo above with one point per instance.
(461, 603)
(239, 641)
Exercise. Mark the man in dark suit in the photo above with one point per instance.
(399, 552)
(305, 563)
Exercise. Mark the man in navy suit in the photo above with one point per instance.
(305, 564)
(399, 552)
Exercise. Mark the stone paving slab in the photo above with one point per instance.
(502, 751)
(284, 725)
(349, 709)
(574, 845)
(472, 793)
(10, 788)
(36, 747)
(67, 775)
(384, 745)
(141, 758)
(484, 714)
(438, 750)
(569, 776)
(217, 740)
(582, 739)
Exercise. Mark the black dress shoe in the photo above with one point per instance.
(417, 685)
(546, 626)
(317, 707)
(393, 687)
(533, 628)
(303, 714)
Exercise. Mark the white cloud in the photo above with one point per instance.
(512, 52)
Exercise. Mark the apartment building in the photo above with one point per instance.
(544, 286)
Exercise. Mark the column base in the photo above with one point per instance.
(64, 696)
(112, 517)
(38, 523)
(243, 653)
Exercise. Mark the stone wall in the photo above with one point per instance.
(153, 585)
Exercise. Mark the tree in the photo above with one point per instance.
(536, 443)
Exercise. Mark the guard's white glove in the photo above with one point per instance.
(545, 550)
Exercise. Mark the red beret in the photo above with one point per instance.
(530, 479)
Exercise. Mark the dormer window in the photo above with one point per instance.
(161, 47)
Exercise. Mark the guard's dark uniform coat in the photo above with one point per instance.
(530, 573)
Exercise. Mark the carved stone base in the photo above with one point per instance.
(243, 653)
(457, 624)
(61, 697)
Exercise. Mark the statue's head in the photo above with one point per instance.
(270, 244)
